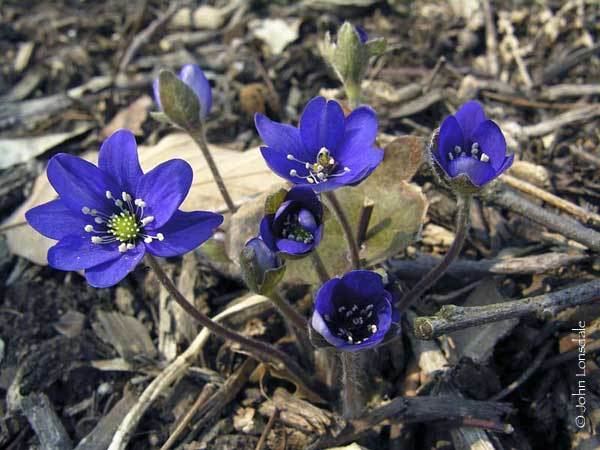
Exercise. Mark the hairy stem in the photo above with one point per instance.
(319, 267)
(353, 402)
(289, 313)
(260, 350)
(342, 218)
(462, 227)
(199, 138)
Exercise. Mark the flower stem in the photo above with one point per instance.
(319, 267)
(462, 227)
(197, 134)
(353, 402)
(260, 350)
(289, 312)
(342, 218)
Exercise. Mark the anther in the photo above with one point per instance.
(484, 158)
(139, 202)
(146, 220)
(85, 210)
(293, 173)
(457, 149)
(99, 220)
(160, 236)
(109, 195)
(130, 246)
(89, 228)
(148, 240)
(96, 240)
(119, 203)
(123, 247)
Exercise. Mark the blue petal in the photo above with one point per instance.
(55, 221)
(184, 232)
(306, 196)
(361, 125)
(110, 273)
(324, 304)
(451, 135)
(318, 323)
(491, 142)
(193, 76)
(118, 156)
(164, 188)
(362, 34)
(469, 116)
(363, 285)
(293, 247)
(266, 259)
(506, 165)
(278, 163)
(307, 220)
(322, 125)
(283, 139)
(79, 183)
(266, 233)
(76, 252)
(478, 172)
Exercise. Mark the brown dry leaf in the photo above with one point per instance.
(131, 117)
(245, 174)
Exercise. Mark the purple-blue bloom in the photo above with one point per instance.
(362, 34)
(327, 150)
(107, 217)
(266, 259)
(296, 227)
(192, 75)
(471, 145)
(353, 312)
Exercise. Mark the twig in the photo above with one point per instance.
(428, 84)
(200, 139)
(45, 422)
(364, 219)
(525, 375)
(319, 266)
(584, 113)
(341, 217)
(462, 227)
(463, 268)
(174, 372)
(491, 41)
(206, 392)
(264, 352)
(551, 199)
(265, 434)
(586, 156)
(557, 360)
(11, 226)
(451, 318)
(504, 24)
(566, 226)
(146, 34)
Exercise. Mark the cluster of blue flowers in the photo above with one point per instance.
(108, 216)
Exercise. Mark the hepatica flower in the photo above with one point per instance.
(107, 217)
(327, 150)
(353, 312)
(471, 146)
(297, 225)
(191, 75)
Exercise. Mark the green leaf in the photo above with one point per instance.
(376, 46)
(161, 117)
(274, 200)
(179, 102)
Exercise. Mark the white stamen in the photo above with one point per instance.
(123, 247)
(290, 157)
(85, 210)
(484, 158)
(147, 220)
(293, 173)
(160, 236)
(109, 195)
(373, 328)
(457, 149)
(125, 196)
(310, 180)
(451, 156)
(139, 202)
(96, 240)
(99, 220)
(148, 240)
(88, 228)
(119, 203)
(130, 246)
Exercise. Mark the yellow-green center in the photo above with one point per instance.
(124, 226)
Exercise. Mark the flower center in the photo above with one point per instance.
(475, 153)
(298, 227)
(125, 224)
(353, 324)
(322, 169)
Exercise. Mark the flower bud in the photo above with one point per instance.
(350, 55)
(262, 269)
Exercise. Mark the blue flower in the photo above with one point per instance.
(192, 75)
(261, 267)
(471, 145)
(297, 226)
(362, 34)
(107, 217)
(353, 312)
(327, 151)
